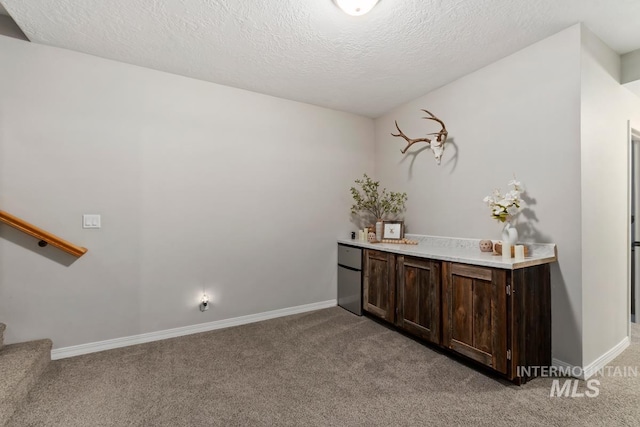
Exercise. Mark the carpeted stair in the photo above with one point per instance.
(20, 367)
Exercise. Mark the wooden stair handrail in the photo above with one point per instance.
(42, 235)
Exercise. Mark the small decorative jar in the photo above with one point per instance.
(486, 246)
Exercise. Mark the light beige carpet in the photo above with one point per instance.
(324, 368)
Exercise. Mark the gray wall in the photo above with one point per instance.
(520, 115)
(209, 188)
(9, 28)
(201, 187)
(606, 108)
(630, 71)
(630, 67)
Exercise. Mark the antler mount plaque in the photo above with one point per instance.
(436, 144)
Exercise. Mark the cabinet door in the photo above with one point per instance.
(475, 313)
(379, 284)
(419, 297)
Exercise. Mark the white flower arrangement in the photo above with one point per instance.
(503, 207)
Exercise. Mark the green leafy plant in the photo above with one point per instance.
(369, 199)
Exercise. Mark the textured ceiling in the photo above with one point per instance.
(308, 50)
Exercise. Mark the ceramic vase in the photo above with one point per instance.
(509, 234)
(379, 230)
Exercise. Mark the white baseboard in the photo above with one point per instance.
(584, 373)
(567, 367)
(77, 350)
(606, 358)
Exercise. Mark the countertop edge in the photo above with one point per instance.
(432, 253)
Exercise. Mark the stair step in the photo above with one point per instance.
(2, 328)
(20, 367)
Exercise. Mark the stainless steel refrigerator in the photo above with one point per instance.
(350, 278)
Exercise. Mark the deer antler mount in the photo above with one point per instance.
(436, 144)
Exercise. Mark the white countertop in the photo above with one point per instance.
(465, 251)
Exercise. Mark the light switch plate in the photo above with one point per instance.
(90, 221)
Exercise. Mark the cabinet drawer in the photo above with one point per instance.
(471, 271)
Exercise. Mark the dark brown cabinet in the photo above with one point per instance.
(474, 307)
(379, 284)
(496, 317)
(529, 318)
(418, 299)
(404, 291)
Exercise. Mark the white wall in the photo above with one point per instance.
(606, 108)
(200, 187)
(519, 115)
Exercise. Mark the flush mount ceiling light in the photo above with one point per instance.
(356, 7)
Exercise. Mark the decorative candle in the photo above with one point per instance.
(519, 252)
(360, 235)
(506, 251)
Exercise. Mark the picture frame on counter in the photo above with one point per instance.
(393, 230)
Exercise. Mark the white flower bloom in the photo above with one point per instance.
(513, 196)
(507, 204)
